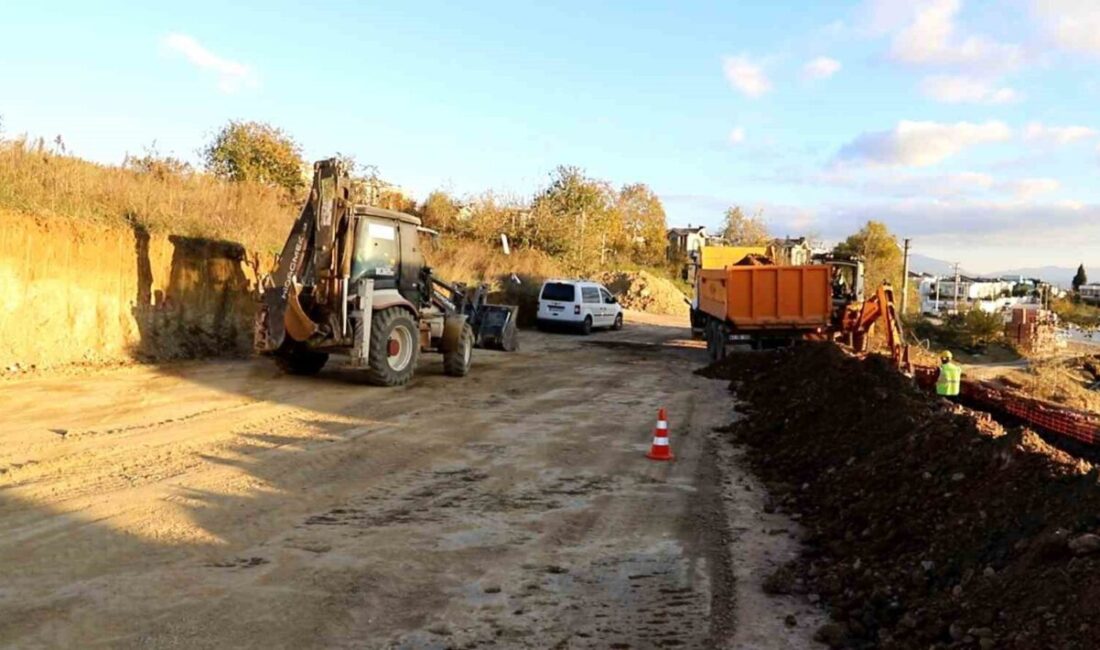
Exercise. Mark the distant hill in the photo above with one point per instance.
(1059, 276)
(923, 264)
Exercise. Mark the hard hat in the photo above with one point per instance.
(945, 356)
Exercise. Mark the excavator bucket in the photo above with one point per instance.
(495, 328)
(298, 325)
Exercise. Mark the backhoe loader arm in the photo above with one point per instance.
(315, 260)
(859, 322)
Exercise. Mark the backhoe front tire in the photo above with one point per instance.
(456, 363)
(296, 359)
(394, 347)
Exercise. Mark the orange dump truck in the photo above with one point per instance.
(763, 304)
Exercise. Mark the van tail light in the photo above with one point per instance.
(576, 309)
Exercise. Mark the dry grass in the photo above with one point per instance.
(459, 260)
(1057, 381)
(38, 182)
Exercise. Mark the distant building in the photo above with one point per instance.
(790, 252)
(988, 294)
(971, 288)
(1089, 293)
(682, 242)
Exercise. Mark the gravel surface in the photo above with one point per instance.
(224, 505)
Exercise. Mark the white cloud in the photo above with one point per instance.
(872, 182)
(920, 144)
(746, 75)
(737, 135)
(822, 67)
(1028, 188)
(981, 232)
(232, 75)
(1073, 24)
(925, 33)
(961, 89)
(1037, 132)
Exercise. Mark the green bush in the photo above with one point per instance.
(972, 330)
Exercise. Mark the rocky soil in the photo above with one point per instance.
(928, 526)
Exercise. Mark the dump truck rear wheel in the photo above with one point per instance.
(394, 347)
(715, 335)
(456, 363)
(299, 360)
(721, 338)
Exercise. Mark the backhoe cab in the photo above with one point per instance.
(351, 279)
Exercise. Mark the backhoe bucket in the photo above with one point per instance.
(496, 328)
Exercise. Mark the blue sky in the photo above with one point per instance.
(970, 127)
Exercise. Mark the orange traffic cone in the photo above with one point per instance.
(660, 450)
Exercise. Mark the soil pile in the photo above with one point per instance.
(642, 291)
(927, 526)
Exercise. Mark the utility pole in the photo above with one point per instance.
(956, 287)
(905, 280)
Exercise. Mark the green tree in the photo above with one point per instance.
(880, 251)
(1080, 278)
(255, 151)
(440, 211)
(740, 229)
(643, 225)
(571, 217)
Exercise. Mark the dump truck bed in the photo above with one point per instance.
(768, 297)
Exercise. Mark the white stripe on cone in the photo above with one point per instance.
(660, 442)
(662, 424)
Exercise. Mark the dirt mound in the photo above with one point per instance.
(643, 291)
(927, 527)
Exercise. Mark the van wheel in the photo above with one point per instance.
(618, 322)
(586, 326)
(394, 347)
(456, 363)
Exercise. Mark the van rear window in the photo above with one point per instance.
(560, 291)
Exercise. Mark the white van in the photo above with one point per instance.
(578, 303)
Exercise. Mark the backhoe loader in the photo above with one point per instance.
(351, 279)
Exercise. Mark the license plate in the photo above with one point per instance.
(556, 307)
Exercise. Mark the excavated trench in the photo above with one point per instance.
(926, 526)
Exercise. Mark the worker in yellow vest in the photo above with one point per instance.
(950, 379)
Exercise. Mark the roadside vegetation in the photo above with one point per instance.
(1076, 312)
(152, 192)
(252, 180)
(968, 334)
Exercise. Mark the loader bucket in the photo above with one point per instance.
(496, 328)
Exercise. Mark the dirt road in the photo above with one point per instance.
(215, 505)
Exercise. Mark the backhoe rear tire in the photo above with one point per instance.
(296, 359)
(456, 363)
(394, 347)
